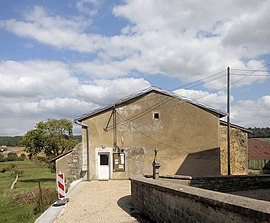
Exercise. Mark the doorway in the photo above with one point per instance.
(104, 166)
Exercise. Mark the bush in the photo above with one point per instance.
(23, 156)
(33, 197)
(2, 158)
(52, 167)
(12, 157)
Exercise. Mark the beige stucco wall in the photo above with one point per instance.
(61, 164)
(184, 132)
(238, 151)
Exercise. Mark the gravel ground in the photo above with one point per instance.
(100, 201)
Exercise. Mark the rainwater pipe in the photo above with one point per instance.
(87, 148)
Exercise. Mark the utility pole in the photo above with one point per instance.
(228, 121)
(114, 128)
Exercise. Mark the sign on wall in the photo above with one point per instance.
(119, 162)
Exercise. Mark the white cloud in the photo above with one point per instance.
(54, 30)
(249, 31)
(216, 100)
(252, 113)
(88, 7)
(247, 113)
(186, 39)
(106, 91)
(34, 91)
(178, 39)
(35, 78)
(65, 107)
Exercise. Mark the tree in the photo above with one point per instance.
(54, 137)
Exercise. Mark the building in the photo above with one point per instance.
(259, 155)
(122, 137)
(238, 149)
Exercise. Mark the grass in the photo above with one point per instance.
(33, 172)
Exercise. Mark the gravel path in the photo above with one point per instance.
(100, 201)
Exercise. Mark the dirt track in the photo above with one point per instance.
(100, 201)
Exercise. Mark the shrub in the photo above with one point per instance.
(48, 197)
(23, 156)
(52, 168)
(12, 157)
(2, 158)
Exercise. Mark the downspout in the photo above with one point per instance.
(87, 148)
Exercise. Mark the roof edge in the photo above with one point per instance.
(236, 126)
(143, 92)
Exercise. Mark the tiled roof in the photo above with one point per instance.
(258, 150)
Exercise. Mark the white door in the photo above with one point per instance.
(104, 167)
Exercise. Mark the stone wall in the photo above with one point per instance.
(164, 201)
(71, 164)
(232, 183)
(238, 151)
(222, 183)
(75, 163)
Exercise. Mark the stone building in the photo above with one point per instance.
(70, 163)
(188, 136)
(238, 149)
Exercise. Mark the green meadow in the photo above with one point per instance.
(24, 203)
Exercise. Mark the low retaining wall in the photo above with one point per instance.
(164, 201)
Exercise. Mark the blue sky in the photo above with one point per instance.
(60, 59)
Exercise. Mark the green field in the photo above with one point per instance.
(19, 204)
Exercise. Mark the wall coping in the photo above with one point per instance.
(230, 176)
(183, 177)
(234, 203)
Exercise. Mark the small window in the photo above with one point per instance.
(156, 115)
(104, 159)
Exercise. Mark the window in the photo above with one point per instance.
(156, 115)
(104, 159)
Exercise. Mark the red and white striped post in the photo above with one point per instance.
(61, 185)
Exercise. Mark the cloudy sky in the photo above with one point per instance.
(60, 59)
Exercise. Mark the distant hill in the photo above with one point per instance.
(15, 141)
(259, 132)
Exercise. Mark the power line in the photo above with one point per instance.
(252, 75)
(165, 100)
(204, 82)
(247, 70)
(151, 108)
(199, 80)
(252, 72)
